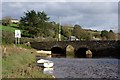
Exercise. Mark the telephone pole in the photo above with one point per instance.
(59, 31)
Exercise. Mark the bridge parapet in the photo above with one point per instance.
(75, 44)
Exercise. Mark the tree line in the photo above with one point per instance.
(36, 24)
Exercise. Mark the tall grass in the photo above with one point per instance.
(19, 62)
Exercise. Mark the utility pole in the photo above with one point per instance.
(59, 32)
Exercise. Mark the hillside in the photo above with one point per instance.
(8, 28)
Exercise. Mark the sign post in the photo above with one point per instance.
(17, 36)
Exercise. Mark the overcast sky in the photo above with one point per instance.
(90, 15)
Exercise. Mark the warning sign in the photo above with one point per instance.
(17, 34)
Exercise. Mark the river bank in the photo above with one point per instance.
(19, 62)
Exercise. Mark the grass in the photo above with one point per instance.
(14, 25)
(20, 62)
(10, 28)
(23, 46)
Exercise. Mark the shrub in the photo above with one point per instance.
(7, 37)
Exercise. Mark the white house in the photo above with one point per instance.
(14, 20)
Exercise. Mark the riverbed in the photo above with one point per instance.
(84, 68)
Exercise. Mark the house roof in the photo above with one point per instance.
(14, 19)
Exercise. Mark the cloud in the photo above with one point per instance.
(60, 1)
(15, 5)
(95, 15)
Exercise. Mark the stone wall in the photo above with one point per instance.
(96, 47)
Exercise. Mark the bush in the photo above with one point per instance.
(7, 37)
(25, 34)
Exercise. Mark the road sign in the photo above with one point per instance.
(17, 34)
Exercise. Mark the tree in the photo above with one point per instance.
(82, 34)
(87, 36)
(76, 31)
(104, 34)
(79, 32)
(34, 22)
(96, 35)
(6, 21)
(43, 16)
(76, 25)
(111, 35)
(66, 32)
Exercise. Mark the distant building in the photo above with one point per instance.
(73, 38)
(94, 38)
(14, 20)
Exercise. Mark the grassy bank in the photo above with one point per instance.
(19, 62)
(7, 28)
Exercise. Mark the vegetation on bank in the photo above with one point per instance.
(19, 62)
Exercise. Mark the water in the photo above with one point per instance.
(65, 67)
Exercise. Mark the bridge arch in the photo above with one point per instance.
(56, 49)
(83, 52)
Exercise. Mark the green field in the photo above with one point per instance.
(7, 28)
(11, 28)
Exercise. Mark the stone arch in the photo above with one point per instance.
(83, 52)
(56, 49)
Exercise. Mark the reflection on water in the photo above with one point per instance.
(89, 56)
(49, 56)
(48, 70)
(58, 55)
(70, 55)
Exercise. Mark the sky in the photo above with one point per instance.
(89, 15)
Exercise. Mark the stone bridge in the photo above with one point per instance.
(98, 48)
